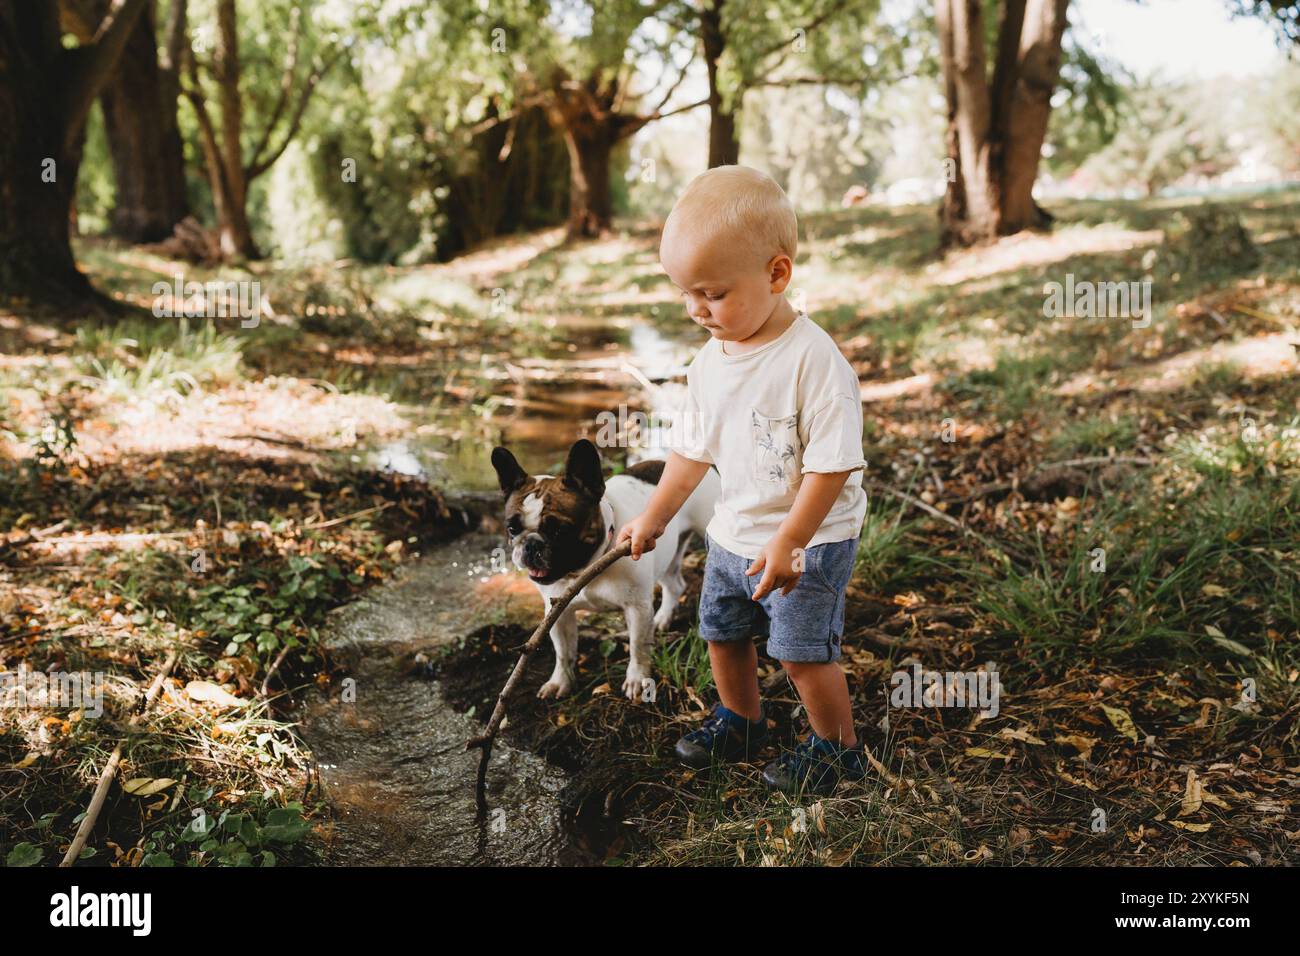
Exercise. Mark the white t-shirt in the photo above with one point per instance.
(767, 417)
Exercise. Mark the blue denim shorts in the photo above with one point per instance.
(805, 625)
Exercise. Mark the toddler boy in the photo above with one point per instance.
(775, 407)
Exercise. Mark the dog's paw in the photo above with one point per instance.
(639, 686)
(663, 618)
(556, 687)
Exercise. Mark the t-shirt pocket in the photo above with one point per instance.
(776, 447)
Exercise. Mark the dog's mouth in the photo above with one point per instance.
(537, 573)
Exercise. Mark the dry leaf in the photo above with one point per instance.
(1079, 742)
(985, 752)
(208, 692)
(1017, 733)
(1122, 722)
(147, 786)
(1192, 795)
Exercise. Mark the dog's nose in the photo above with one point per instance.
(534, 545)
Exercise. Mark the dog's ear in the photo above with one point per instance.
(509, 473)
(582, 470)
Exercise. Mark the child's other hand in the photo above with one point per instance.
(776, 561)
(642, 532)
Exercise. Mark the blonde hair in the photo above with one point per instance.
(744, 204)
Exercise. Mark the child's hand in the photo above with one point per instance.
(776, 561)
(642, 532)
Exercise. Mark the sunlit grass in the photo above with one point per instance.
(136, 359)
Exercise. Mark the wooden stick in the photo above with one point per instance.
(484, 740)
(110, 768)
(279, 659)
(356, 514)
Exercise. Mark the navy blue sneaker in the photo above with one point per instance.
(816, 766)
(725, 735)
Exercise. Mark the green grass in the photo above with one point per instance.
(136, 358)
(1011, 387)
(1098, 435)
(1176, 565)
(890, 550)
(684, 663)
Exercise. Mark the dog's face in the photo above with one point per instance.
(555, 524)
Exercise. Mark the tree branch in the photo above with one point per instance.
(91, 66)
(255, 170)
(286, 86)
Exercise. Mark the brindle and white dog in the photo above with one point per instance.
(560, 526)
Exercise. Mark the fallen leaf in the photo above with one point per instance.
(208, 692)
(1079, 742)
(147, 786)
(1192, 795)
(1122, 722)
(985, 752)
(1017, 733)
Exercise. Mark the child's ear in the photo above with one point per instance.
(779, 271)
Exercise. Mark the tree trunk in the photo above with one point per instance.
(584, 112)
(591, 210)
(45, 95)
(724, 146)
(1039, 68)
(140, 121)
(996, 130)
(235, 236)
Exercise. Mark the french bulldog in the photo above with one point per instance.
(559, 526)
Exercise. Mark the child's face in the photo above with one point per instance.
(723, 288)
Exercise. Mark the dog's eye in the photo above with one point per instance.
(514, 525)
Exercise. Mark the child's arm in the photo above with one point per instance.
(811, 505)
(833, 453)
(680, 477)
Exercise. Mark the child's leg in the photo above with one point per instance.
(825, 695)
(735, 672)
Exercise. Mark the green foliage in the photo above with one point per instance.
(96, 187)
(212, 835)
(24, 854)
(54, 446)
(1087, 106)
(1159, 139)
